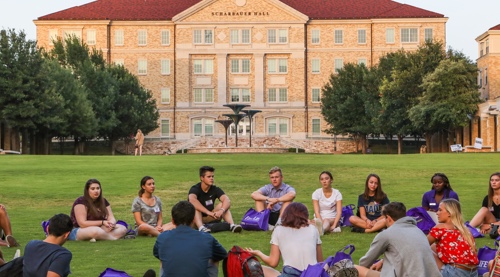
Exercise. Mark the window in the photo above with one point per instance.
(277, 66)
(428, 34)
(480, 79)
(409, 35)
(277, 126)
(165, 95)
(142, 37)
(278, 95)
(203, 95)
(72, 33)
(275, 36)
(362, 36)
(316, 127)
(315, 36)
(119, 62)
(315, 65)
(203, 66)
(316, 98)
(482, 49)
(339, 36)
(119, 37)
(240, 36)
(202, 37)
(240, 95)
(240, 66)
(165, 127)
(165, 66)
(362, 61)
(142, 67)
(52, 36)
(338, 64)
(487, 46)
(91, 37)
(165, 37)
(203, 127)
(389, 35)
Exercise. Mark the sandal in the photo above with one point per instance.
(494, 231)
(11, 241)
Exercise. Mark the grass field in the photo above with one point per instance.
(36, 187)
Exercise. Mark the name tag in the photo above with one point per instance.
(491, 209)
(209, 202)
(432, 204)
(157, 209)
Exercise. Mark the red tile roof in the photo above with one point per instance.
(166, 9)
(495, 27)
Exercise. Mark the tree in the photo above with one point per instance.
(450, 94)
(349, 102)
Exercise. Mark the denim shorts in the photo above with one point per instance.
(72, 235)
(289, 271)
(449, 270)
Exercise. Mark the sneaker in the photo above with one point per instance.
(45, 227)
(337, 230)
(149, 273)
(357, 230)
(319, 226)
(205, 230)
(92, 240)
(17, 254)
(11, 241)
(236, 228)
(270, 227)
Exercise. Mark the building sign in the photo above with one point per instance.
(456, 147)
(248, 13)
(478, 143)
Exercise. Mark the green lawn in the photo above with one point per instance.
(36, 187)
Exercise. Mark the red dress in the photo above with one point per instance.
(452, 248)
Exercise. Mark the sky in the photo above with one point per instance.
(467, 19)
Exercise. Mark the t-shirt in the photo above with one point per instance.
(41, 257)
(297, 246)
(372, 208)
(452, 248)
(270, 191)
(494, 209)
(327, 206)
(207, 199)
(429, 198)
(82, 201)
(149, 214)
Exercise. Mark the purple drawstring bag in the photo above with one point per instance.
(333, 265)
(256, 221)
(109, 272)
(484, 255)
(347, 212)
(424, 220)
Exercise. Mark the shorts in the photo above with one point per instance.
(289, 271)
(72, 235)
(449, 270)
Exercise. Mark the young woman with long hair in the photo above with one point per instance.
(489, 213)
(454, 245)
(327, 203)
(369, 217)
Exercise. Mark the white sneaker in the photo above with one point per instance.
(92, 240)
(17, 254)
(270, 227)
(337, 230)
(319, 226)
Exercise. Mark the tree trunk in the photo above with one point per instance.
(113, 146)
(25, 142)
(428, 144)
(400, 144)
(7, 138)
(75, 146)
(61, 145)
(32, 144)
(363, 144)
(15, 140)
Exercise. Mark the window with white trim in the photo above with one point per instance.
(165, 127)
(203, 127)
(338, 64)
(203, 37)
(277, 126)
(409, 35)
(91, 37)
(315, 65)
(165, 95)
(428, 34)
(165, 37)
(142, 37)
(277, 36)
(240, 66)
(142, 67)
(339, 36)
(165, 66)
(278, 95)
(316, 95)
(240, 36)
(119, 38)
(389, 35)
(203, 66)
(240, 95)
(203, 95)
(315, 36)
(362, 61)
(316, 127)
(362, 36)
(277, 66)
(52, 36)
(72, 33)
(119, 62)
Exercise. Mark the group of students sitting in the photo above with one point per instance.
(296, 238)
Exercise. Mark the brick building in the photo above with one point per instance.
(195, 56)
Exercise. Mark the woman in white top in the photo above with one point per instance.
(295, 240)
(327, 203)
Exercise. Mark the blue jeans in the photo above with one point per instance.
(72, 235)
(289, 271)
(449, 270)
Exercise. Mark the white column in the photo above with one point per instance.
(259, 80)
(221, 79)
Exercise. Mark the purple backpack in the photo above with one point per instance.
(424, 220)
(347, 212)
(255, 221)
